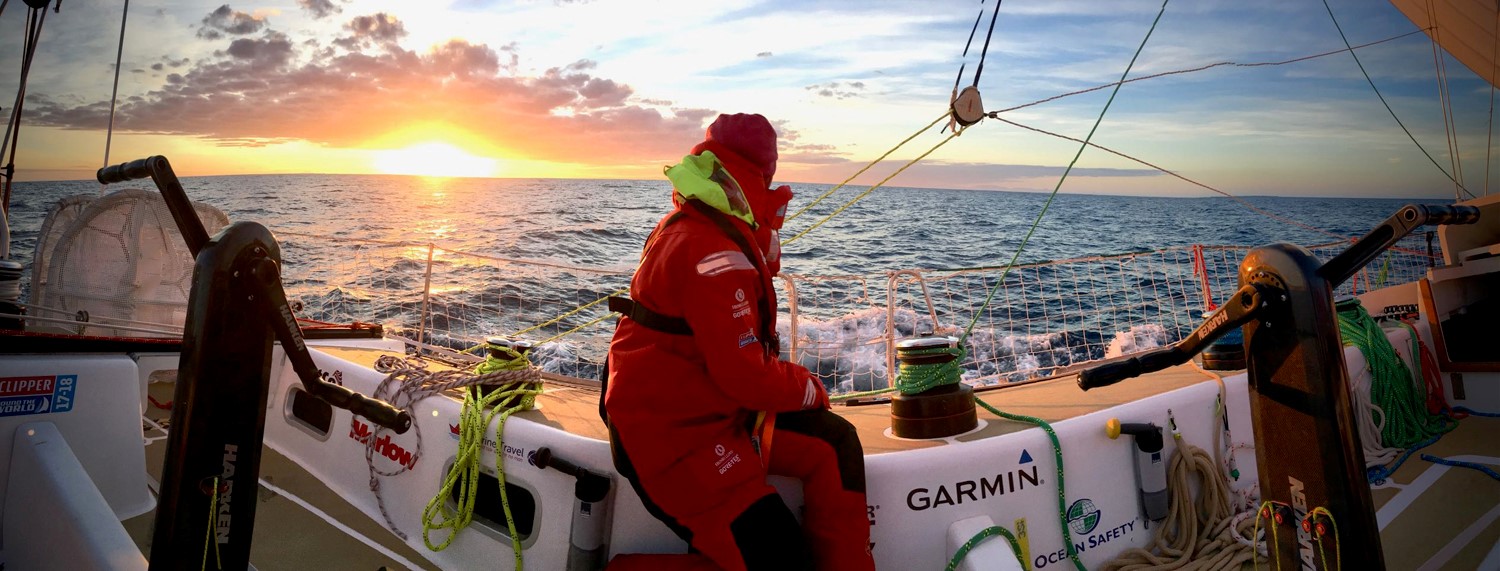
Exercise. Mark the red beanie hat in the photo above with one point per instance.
(748, 135)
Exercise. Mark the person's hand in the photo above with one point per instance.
(816, 396)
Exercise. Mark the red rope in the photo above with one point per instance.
(315, 324)
(1200, 269)
(1433, 379)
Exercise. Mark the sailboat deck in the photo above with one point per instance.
(575, 409)
(1428, 512)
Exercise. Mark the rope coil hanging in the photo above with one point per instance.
(516, 385)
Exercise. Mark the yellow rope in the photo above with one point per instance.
(572, 312)
(867, 167)
(474, 420)
(1337, 548)
(213, 507)
(607, 315)
(1267, 507)
(867, 192)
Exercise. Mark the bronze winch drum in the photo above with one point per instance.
(938, 412)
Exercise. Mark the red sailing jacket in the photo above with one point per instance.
(668, 394)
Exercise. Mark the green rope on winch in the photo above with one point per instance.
(473, 422)
(1407, 421)
(915, 378)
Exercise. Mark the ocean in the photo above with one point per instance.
(509, 254)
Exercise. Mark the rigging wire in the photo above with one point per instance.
(836, 187)
(963, 63)
(1179, 176)
(1450, 130)
(1001, 280)
(805, 208)
(867, 191)
(1208, 67)
(1489, 133)
(986, 50)
(1384, 102)
(114, 95)
(36, 17)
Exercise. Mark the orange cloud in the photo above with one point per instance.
(358, 88)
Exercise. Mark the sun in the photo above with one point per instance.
(434, 159)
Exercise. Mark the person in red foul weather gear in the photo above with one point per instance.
(700, 406)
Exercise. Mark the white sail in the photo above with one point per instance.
(1466, 29)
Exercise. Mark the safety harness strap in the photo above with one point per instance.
(648, 317)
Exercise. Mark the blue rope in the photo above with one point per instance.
(1378, 474)
(1469, 411)
(1461, 464)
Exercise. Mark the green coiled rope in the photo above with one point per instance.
(474, 421)
(1404, 402)
(912, 379)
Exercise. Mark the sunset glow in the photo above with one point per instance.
(433, 159)
(582, 89)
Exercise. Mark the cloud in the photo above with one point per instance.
(381, 28)
(274, 50)
(837, 90)
(320, 8)
(274, 88)
(228, 21)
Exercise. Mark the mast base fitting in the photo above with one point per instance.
(967, 107)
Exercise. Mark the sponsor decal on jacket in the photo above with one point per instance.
(747, 338)
(727, 458)
(725, 261)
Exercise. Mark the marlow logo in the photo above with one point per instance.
(1083, 517)
(361, 433)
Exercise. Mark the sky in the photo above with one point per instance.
(617, 89)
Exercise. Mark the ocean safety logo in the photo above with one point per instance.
(1083, 517)
(37, 394)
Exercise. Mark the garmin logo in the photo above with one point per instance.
(919, 499)
(1299, 510)
(225, 492)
